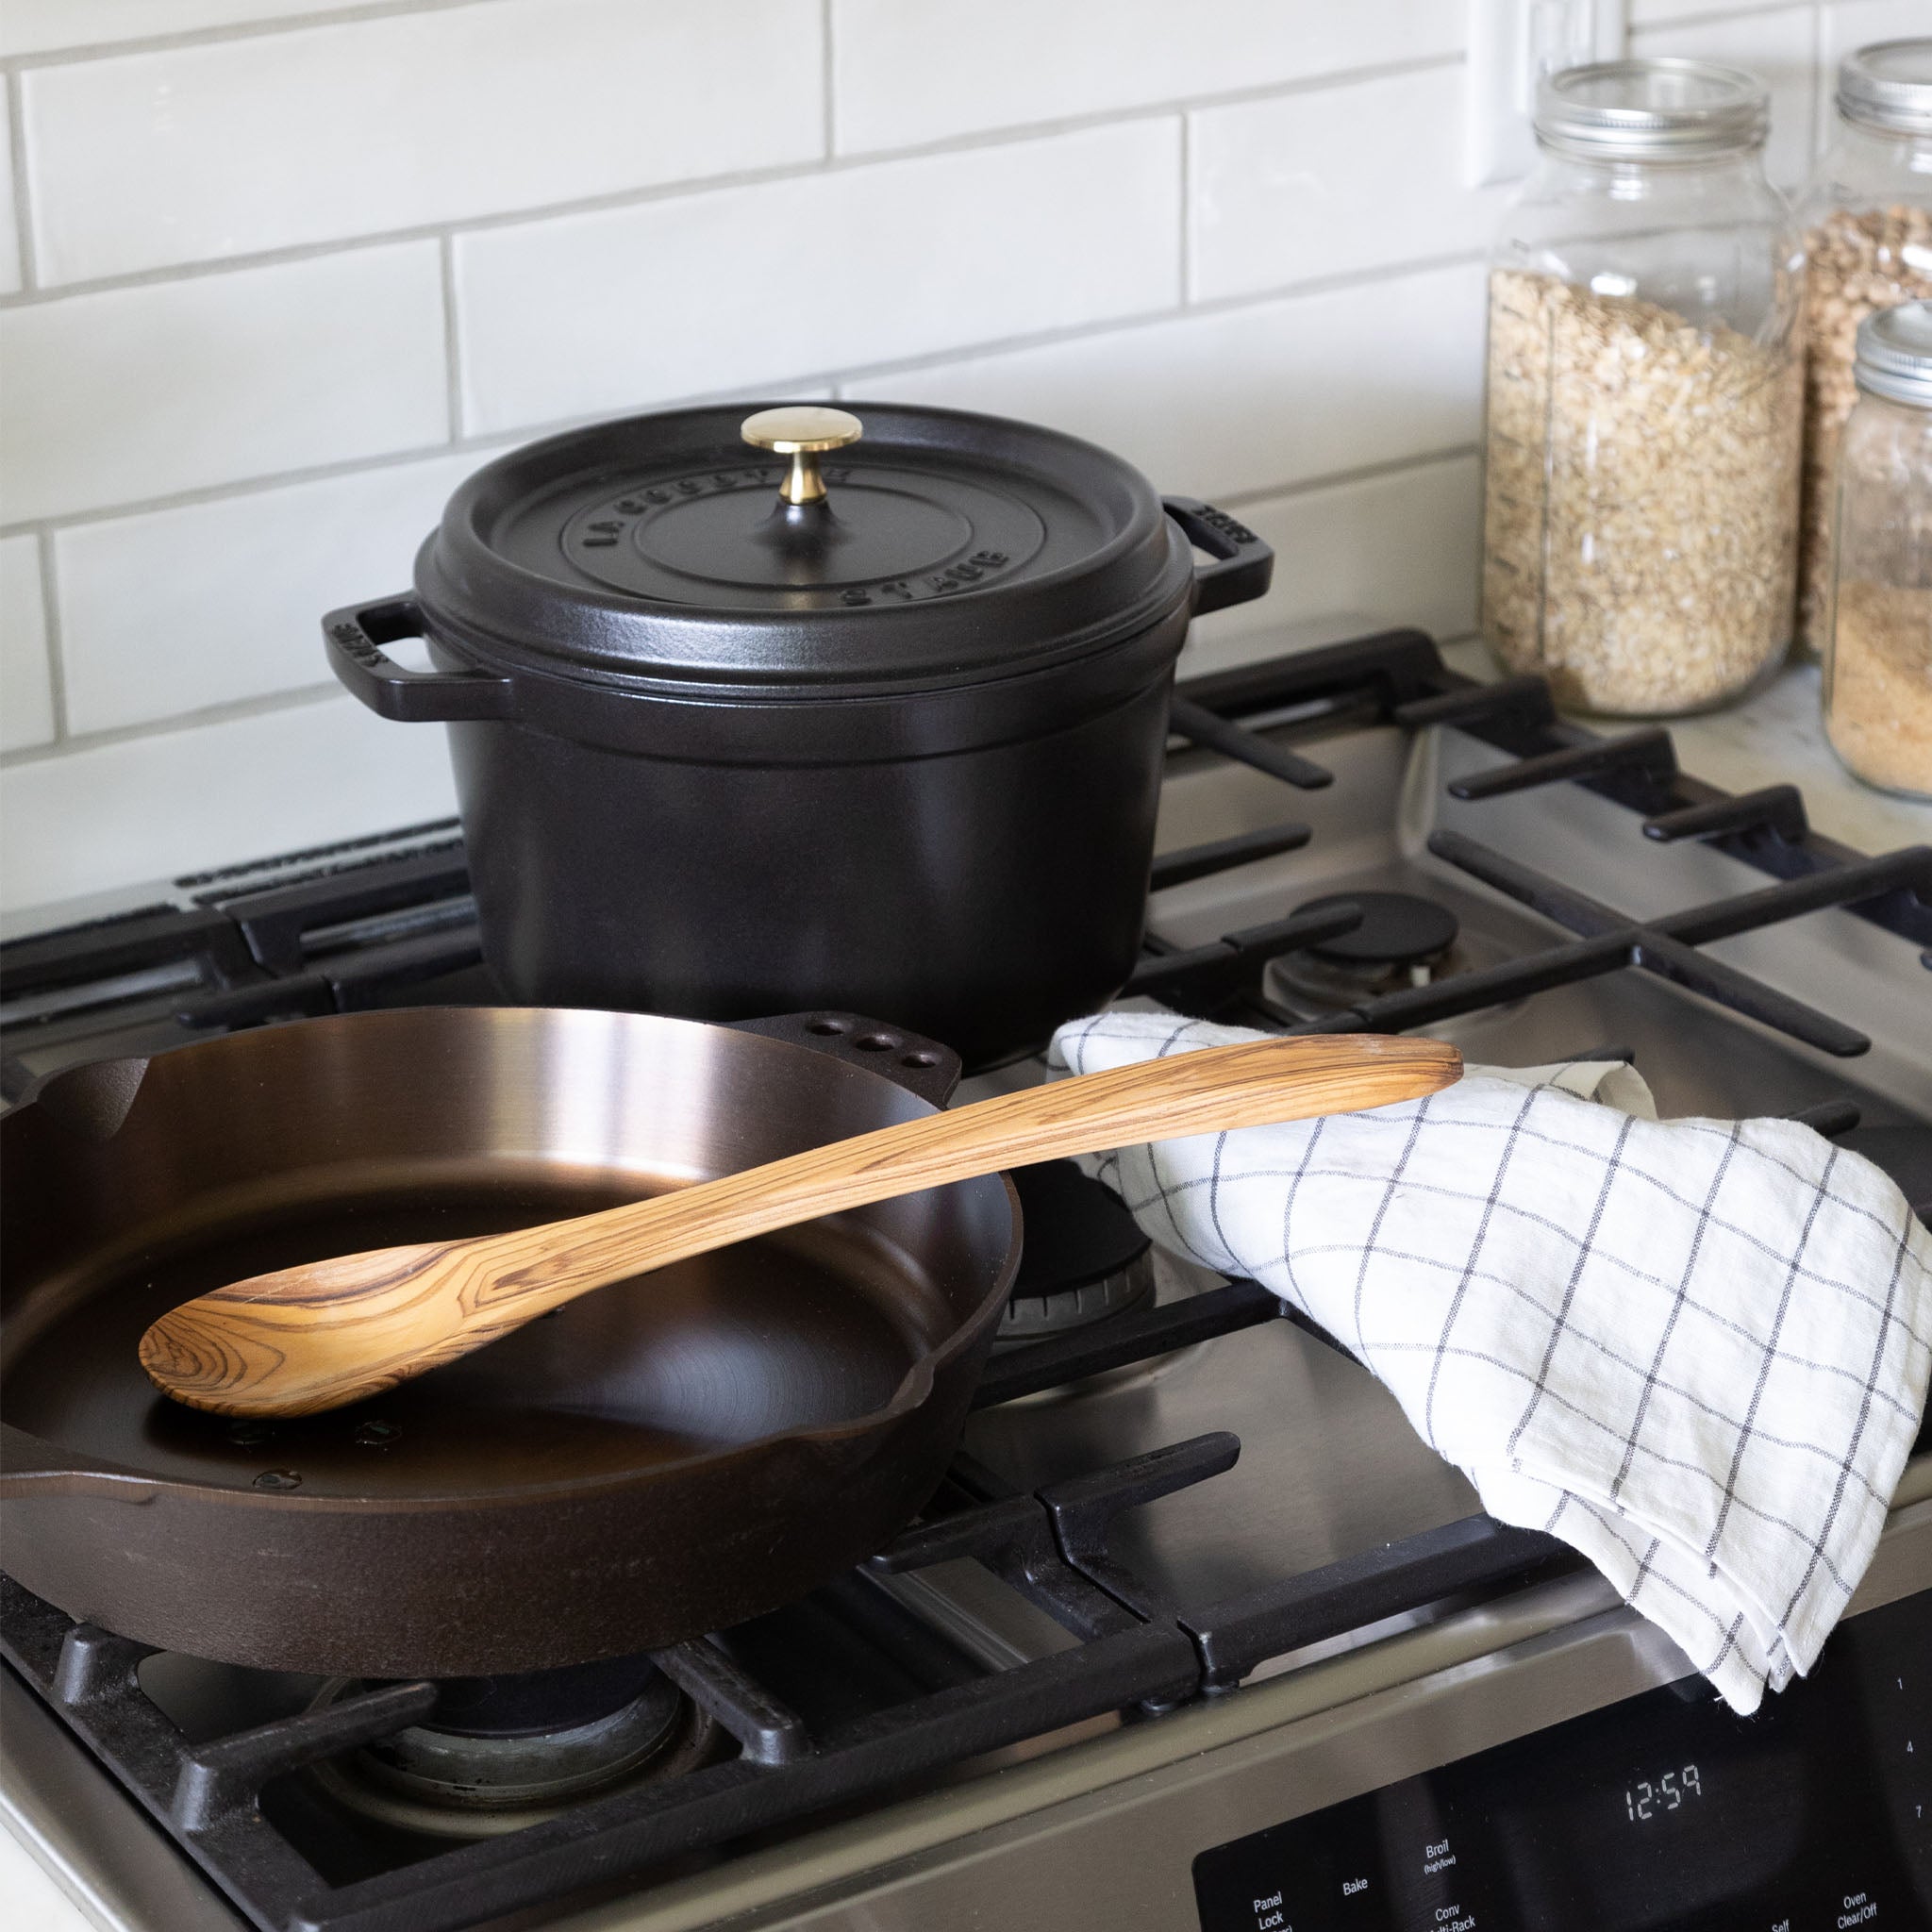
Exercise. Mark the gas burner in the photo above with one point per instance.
(1403, 940)
(501, 1753)
(1083, 1260)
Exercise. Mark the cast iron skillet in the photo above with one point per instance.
(658, 1460)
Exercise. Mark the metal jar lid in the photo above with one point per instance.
(1652, 111)
(870, 549)
(1888, 85)
(1894, 356)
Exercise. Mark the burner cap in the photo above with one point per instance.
(1083, 1257)
(1397, 929)
(1076, 1230)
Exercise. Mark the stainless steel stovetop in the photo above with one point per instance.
(1101, 1824)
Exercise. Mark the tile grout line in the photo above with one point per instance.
(1712, 16)
(828, 103)
(484, 441)
(57, 661)
(976, 142)
(1187, 251)
(81, 53)
(452, 339)
(295, 696)
(263, 703)
(23, 206)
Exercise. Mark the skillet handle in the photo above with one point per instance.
(29, 1467)
(922, 1066)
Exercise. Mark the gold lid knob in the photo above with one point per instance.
(802, 431)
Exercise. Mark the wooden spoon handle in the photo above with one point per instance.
(315, 1336)
(1217, 1089)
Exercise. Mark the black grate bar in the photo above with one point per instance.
(1390, 667)
(1013, 1537)
(1207, 972)
(1662, 944)
(1907, 871)
(1213, 732)
(1517, 700)
(1128, 1338)
(228, 1774)
(1241, 1632)
(352, 983)
(928, 1660)
(1830, 1118)
(770, 1732)
(1083, 1508)
(1221, 855)
(1648, 751)
(1777, 808)
(273, 922)
(1685, 966)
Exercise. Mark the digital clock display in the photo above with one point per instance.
(1645, 1800)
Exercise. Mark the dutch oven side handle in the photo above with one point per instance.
(1242, 566)
(355, 638)
(922, 1066)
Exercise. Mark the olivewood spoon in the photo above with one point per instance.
(316, 1337)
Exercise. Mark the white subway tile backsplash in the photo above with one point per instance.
(168, 430)
(130, 393)
(207, 603)
(244, 787)
(1400, 548)
(34, 26)
(751, 286)
(904, 76)
(1779, 48)
(27, 680)
(1363, 175)
(1255, 398)
(367, 126)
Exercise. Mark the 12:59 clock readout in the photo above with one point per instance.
(1645, 1800)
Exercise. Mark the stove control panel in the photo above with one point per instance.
(1663, 1813)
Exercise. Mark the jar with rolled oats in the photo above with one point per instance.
(1642, 404)
(1867, 214)
(1876, 609)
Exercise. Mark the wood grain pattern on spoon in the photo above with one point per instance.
(314, 1338)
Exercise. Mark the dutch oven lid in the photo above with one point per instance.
(883, 546)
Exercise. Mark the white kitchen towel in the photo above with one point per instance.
(1696, 1350)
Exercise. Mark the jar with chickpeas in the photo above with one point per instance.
(1867, 214)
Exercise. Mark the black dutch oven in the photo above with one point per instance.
(734, 734)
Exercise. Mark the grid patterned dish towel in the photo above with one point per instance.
(1696, 1350)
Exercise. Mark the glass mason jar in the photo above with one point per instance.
(1867, 216)
(1877, 608)
(1641, 414)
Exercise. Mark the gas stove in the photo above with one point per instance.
(1197, 1633)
